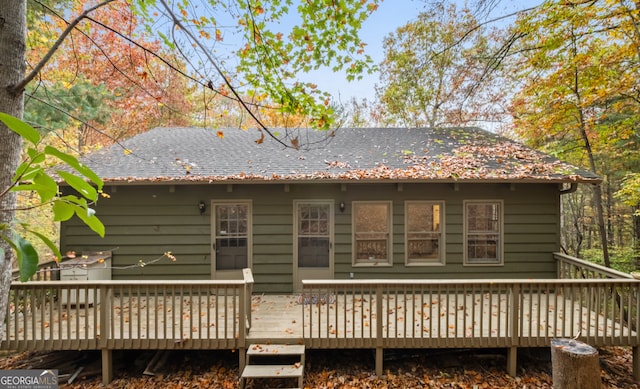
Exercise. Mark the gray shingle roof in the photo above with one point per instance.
(442, 154)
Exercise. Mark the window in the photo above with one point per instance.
(423, 232)
(372, 233)
(483, 232)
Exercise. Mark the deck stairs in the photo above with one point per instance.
(274, 361)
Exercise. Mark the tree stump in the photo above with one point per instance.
(575, 365)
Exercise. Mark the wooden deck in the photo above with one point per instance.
(602, 309)
(286, 319)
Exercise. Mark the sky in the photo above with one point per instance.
(390, 15)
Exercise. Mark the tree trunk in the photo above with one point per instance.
(575, 365)
(636, 236)
(13, 35)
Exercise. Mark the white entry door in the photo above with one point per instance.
(313, 241)
(231, 248)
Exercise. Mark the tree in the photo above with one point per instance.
(102, 77)
(579, 63)
(430, 77)
(325, 34)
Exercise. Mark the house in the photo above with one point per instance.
(354, 203)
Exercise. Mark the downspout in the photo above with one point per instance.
(572, 188)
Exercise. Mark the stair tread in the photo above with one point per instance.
(275, 349)
(272, 371)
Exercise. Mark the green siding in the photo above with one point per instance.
(143, 222)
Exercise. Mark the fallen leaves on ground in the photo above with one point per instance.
(327, 369)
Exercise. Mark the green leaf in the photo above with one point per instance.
(35, 155)
(48, 188)
(21, 128)
(62, 210)
(44, 185)
(89, 218)
(74, 163)
(26, 171)
(27, 258)
(49, 244)
(77, 183)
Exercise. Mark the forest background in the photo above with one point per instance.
(560, 76)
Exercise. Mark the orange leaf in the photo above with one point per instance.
(220, 134)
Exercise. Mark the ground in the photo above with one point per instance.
(325, 369)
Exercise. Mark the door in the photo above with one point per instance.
(231, 247)
(313, 241)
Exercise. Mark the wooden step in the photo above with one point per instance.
(271, 353)
(275, 350)
(273, 371)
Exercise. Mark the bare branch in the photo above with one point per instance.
(477, 27)
(227, 82)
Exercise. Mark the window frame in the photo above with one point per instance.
(387, 262)
(440, 260)
(499, 261)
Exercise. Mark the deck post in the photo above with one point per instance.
(379, 324)
(107, 366)
(105, 333)
(635, 354)
(512, 361)
(379, 361)
(242, 358)
(512, 352)
(244, 325)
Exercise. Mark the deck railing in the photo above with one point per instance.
(46, 271)
(574, 268)
(58, 315)
(469, 313)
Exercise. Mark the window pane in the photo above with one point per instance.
(371, 249)
(314, 220)
(423, 248)
(313, 252)
(482, 248)
(371, 217)
(423, 217)
(482, 217)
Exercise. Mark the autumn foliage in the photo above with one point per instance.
(133, 89)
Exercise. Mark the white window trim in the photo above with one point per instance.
(441, 261)
(388, 262)
(500, 247)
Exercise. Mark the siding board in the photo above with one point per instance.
(145, 221)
